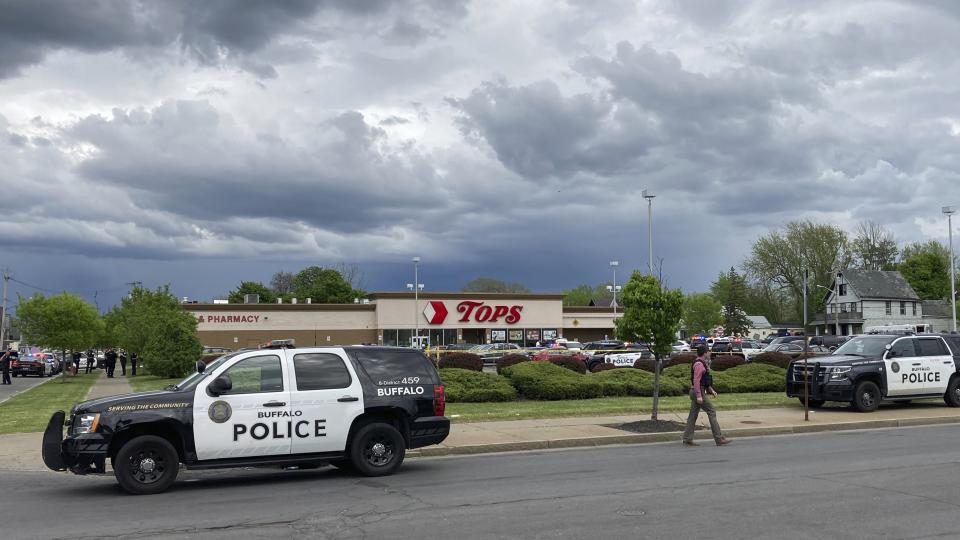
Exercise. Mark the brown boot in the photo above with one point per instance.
(690, 443)
(722, 441)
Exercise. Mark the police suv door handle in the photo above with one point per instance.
(348, 398)
(916, 363)
(274, 404)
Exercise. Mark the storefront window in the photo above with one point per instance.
(390, 337)
(516, 336)
(498, 336)
(533, 337)
(405, 338)
(449, 337)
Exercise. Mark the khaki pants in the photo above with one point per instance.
(695, 408)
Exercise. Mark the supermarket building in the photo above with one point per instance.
(392, 318)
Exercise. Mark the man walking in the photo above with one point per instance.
(5, 365)
(123, 363)
(701, 383)
(76, 361)
(110, 357)
(133, 364)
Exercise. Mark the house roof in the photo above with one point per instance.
(879, 284)
(939, 309)
(758, 321)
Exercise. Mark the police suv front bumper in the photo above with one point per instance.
(82, 453)
(819, 386)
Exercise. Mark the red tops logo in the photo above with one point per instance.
(436, 312)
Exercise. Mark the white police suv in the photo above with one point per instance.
(353, 407)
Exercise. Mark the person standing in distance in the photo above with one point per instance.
(123, 363)
(133, 364)
(5, 365)
(110, 358)
(91, 360)
(701, 383)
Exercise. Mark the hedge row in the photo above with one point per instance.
(635, 382)
(464, 385)
(461, 360)
(548, 381)
(511, 360)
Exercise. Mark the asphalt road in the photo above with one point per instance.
(870, 484)
(20, 384)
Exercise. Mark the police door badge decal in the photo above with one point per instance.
(219, 411)
(895, 367)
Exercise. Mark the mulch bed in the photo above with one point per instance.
(652, 426)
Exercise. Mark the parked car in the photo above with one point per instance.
(681, 346)
(829, 341)
(571, 345)
(795, 349)
(629, 356)
(215, 350)
(495, 351)
(551, 354)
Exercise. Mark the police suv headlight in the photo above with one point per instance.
(838, 373)
(86, 423)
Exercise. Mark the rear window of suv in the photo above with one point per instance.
(389, 366)
(954, 343)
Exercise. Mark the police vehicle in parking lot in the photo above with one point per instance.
(354, 407)
(868, 369)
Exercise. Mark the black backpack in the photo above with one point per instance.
(707, 380)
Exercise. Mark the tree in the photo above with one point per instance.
(926, 267)
(651, 314)
(735, 319)
(486, 284)
(582, 295)
(781, 257)
(281, 283)
(874, 248)
(353, 275)
(152, 325)
(237, 295)
(62, 322)
(324, 286)
(701, 313)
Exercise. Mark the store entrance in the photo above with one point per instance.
(476, 336)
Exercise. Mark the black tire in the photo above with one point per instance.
(814, 403)
(377, 449)
(593, 365)
(143, 452)
(952, 395)
(866, 397)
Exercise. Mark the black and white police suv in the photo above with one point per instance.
(354, 407)
(868, 369)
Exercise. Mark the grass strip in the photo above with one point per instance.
(30, 411)
(609, 406)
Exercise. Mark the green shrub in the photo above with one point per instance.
(646, 364)
(510, 360)
(682, 358)
(679, 371)
(725, 362)
(464, 385)
(461, 360)
(569, 363)
(603, 366)
(545, 380)
(751, 378)
(777, 359)
(636, 382)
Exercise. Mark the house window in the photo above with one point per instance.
(914, 306)
(889, 307)
(843, 308)
(853, 307)
(842, 289)
(903, 308)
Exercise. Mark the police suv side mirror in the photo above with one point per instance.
(201, 367)
(220, 385)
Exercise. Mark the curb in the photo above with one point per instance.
(647, 438)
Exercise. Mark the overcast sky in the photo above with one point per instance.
(202, 143)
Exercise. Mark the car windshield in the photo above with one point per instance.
(865, 345)
(195, 377)
(573, 345)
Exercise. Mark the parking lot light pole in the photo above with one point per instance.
(3, 312)
(416, 299)
(614, 288)
(949, 210)
(649, 197)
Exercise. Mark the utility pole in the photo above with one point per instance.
(949, 210)
(649, 197)
(3, 311)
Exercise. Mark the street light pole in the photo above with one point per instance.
(949, 210)
(614, 265)
(649, 197)
(416, 298)
(3, 311)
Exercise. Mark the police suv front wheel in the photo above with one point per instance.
(377, 449)
(146, 465)
(952, 396)
(866, 397)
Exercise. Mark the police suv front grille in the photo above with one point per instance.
(798, 372)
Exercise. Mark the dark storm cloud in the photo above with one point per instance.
(214, 31)
(185, 158)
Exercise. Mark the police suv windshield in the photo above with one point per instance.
(195, 377)
(865, 345)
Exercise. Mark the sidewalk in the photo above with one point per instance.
(21, 452)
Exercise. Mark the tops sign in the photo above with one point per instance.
(436, 312)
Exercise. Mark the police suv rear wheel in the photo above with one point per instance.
(952, 396)
(146, 465)
(377, 449)
(866, 397)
